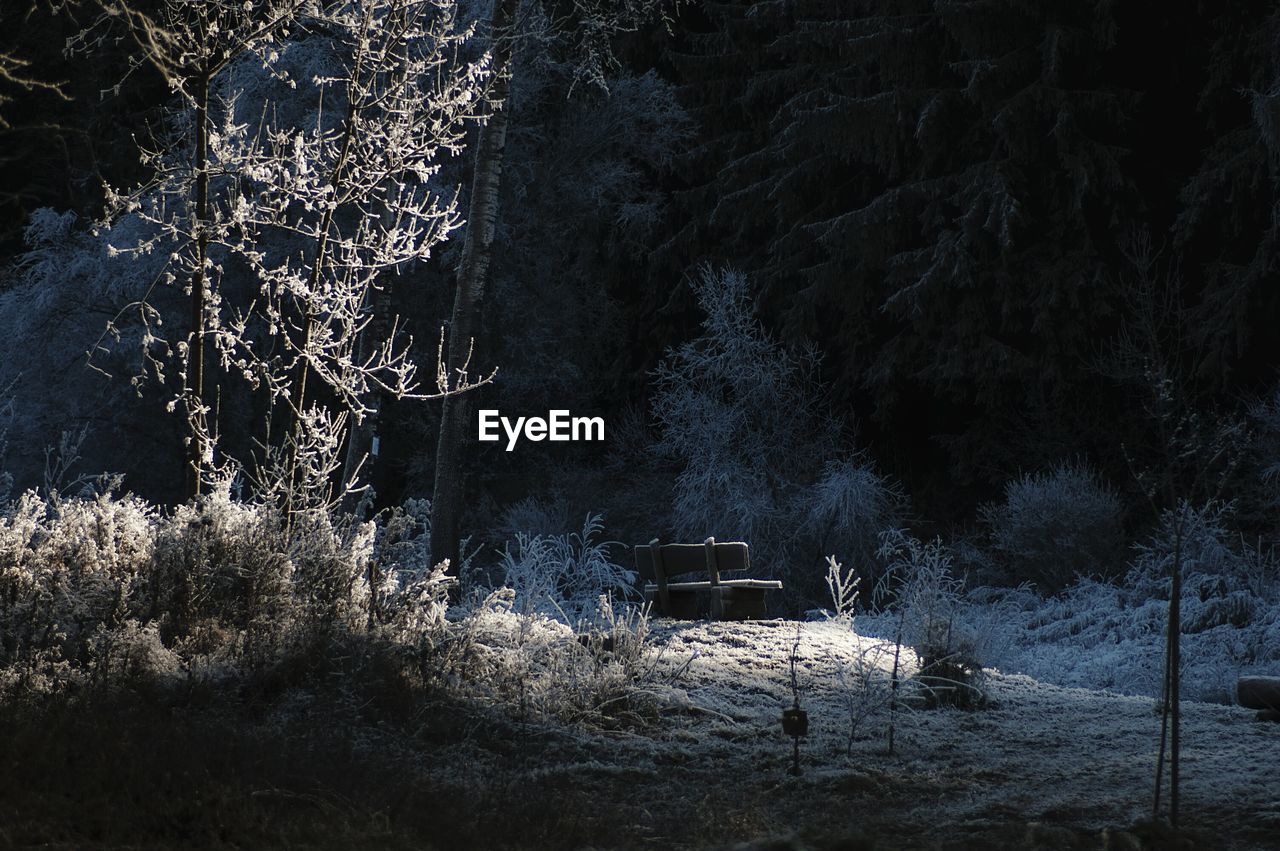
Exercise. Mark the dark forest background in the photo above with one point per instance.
(995, 239)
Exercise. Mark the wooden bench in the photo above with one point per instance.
(728, 599)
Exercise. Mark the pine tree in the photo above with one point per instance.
(929, 190)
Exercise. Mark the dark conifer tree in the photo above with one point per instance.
(933, 192)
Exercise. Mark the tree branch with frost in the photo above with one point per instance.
(318, 195)
(358, 191)
(353, 194)
(190, 43)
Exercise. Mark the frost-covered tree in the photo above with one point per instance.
(190, 43)
(323, 150)
(326, 212)
(760, 457)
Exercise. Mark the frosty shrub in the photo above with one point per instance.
(105, 592)
(920, 604)
(1054, 527)
(1111, 635)
(600, 670)
(564, 576)
(849, 507)
(224, 565)
(104, 584)
(760, 458)
(69, 568)
(401, 548)
(331, 568)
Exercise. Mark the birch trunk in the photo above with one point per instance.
(473, 274)
(195, 348)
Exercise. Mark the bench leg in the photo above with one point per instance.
(717, 603)
(738, 604)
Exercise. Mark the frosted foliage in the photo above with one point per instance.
(404, 536)
(1111, 635)
(563, 576)
(108, 583)
(1052, 528)
(67, 568)
(324, 148)
(759, 457)
(353, 182)
(107, 593)
(223, 562)
(1266, 415)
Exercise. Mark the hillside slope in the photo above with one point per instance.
(1042, 767)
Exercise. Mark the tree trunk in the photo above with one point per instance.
(1175, 672)
(195, 350)
(298, 405)
(473, 273)
(362, 453)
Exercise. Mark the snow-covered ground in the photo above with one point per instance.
(1044, 766)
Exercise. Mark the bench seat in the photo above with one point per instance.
(773, 584)
(674, 593)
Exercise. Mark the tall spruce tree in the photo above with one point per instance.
(930, 190)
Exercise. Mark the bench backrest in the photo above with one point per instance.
(691, 558)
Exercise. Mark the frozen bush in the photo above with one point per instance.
(1052, 528)
(401, 558)
(1111, 635)
(130, 653)
(224, 562)
(760, 457)
(108, 593)
(68, 567)
(848, 508)
(564, 576)
(331, 569)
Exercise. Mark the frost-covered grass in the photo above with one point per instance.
(221, 678)
(1103, 636)
(360, 759)
(214, 675)
(1111, 635)
(105, 593)
(1073, 760)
